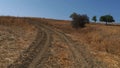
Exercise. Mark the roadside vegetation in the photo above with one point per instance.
(16, 34)
(79, 20)
(107, 19)
(94, 19)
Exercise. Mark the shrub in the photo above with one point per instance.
(94, 18)
(107, 19)
(79, 20)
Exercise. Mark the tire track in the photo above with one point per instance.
(35, 48)
(31, 58)
(39, 56)
(81, 54)
(64, 38)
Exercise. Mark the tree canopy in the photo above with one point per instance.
(94, 18)
(79, 20)
(107, 18)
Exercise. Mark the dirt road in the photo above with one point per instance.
(44, 53)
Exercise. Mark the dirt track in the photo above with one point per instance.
(36, 56)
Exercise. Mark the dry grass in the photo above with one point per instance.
(104, 41)
(59, 55)
(16, 35)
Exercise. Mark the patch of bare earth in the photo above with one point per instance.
(14, 39)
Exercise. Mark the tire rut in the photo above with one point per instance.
(32, 56)
(39, 56)
(35, 49)
(81, 54)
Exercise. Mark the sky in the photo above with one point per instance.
(59, 9)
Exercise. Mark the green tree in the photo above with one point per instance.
(79, 20)
(94, 18)
(107, 19)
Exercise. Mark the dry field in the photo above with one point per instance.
(103, 41)
(48, 43)
(15, 36)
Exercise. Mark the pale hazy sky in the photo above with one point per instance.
(60, 9)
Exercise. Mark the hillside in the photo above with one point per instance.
(49, 43)
(102, 40)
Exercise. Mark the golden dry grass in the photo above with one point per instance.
(16, 34)
(103, 41)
